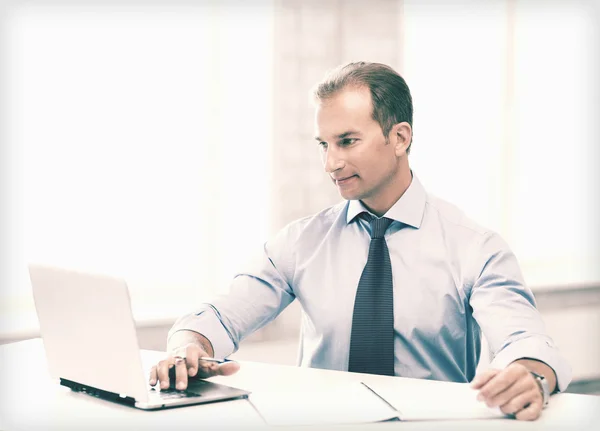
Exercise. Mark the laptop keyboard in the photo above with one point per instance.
(172, 393)
(169, 394)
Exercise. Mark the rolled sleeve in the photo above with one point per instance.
(539, 348)
(208, 324)
(505, 309)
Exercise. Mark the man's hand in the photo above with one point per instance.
(187, 363)
(513, 389)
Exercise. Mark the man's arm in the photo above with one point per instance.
(505, 310)
(256, 297)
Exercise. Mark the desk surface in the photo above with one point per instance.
(29, 399)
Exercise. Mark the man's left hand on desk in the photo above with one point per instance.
(513, 389)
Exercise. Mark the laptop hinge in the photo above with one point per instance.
(111, 396)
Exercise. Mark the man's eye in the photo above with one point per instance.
(347, 141)
(323, 145)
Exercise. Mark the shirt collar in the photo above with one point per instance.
(409, 209)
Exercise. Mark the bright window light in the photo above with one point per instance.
(138, 145)
(505, 112)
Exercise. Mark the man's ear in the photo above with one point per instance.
(400, 137)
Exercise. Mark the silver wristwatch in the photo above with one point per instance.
(544, 388)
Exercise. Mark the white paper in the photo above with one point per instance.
(348, 403)
(432, 400)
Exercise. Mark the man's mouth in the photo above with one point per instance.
(346, 180)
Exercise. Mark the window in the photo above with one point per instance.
(138, 144)
(553, 186)
(505, 100)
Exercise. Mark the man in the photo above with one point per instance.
(391, 281)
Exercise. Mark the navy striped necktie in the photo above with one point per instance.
(372, 337)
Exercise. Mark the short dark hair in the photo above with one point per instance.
(390, 95)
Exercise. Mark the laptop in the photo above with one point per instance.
(91, 345)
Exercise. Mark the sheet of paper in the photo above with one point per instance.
(432, 400)
(348, 403)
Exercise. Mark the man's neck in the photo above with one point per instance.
(395, 190)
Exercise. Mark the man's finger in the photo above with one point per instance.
(191, 358)
(483, 377)
(181, 376)
(531, 412)
(162, 370)
(501, 382)
(153, 379)
(226, 369)
(511, 392)
(520, 402)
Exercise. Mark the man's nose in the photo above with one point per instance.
(332, 161)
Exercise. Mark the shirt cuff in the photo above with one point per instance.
(207, 324)
(541, 350)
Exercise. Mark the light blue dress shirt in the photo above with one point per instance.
(452, 280)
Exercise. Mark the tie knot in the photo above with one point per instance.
(379, 226)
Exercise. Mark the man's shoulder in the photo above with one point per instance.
(315, 225)
(322, 219)
(302, 235)
(461, 231)
(453, 217)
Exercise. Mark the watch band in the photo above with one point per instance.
(544, 388)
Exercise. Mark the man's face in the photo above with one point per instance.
(354, 151)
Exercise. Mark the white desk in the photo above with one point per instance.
(29, 399)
